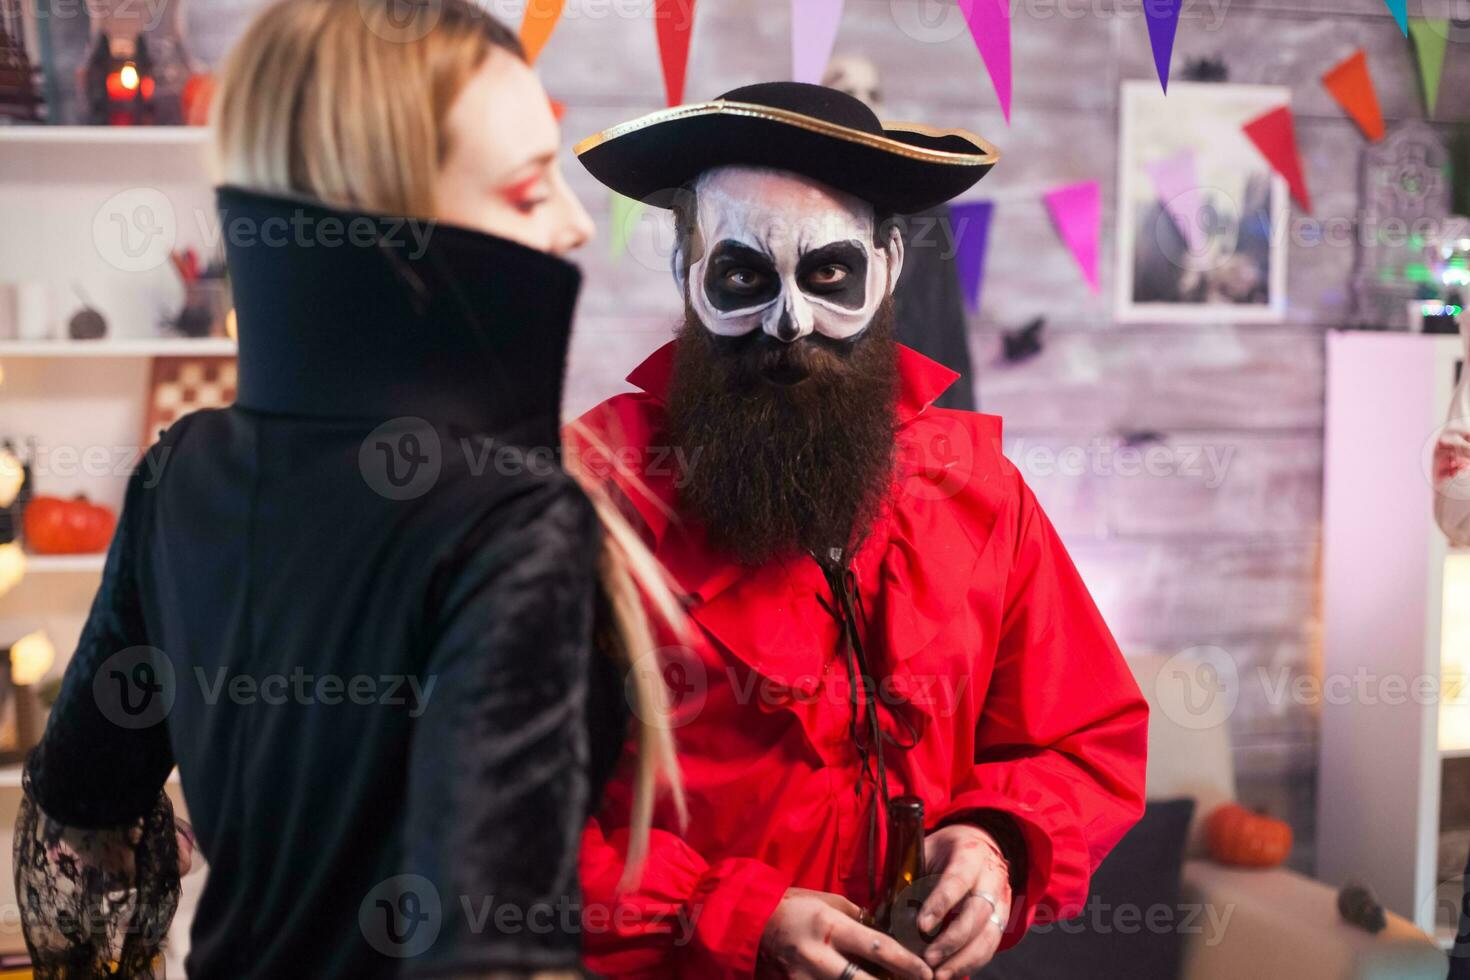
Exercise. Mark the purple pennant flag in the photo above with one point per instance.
(970, 222)
(1163, 21)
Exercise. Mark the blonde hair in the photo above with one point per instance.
(340, 101)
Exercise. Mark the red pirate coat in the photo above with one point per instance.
(989, 650)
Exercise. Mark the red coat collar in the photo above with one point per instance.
(920, 379)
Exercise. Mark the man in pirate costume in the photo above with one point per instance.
(882, 607)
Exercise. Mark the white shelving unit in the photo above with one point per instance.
(60, 189)
(1388, 580)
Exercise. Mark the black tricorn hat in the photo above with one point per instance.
(812, 130)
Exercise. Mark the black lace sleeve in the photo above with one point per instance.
(96, 903)
(96, 857)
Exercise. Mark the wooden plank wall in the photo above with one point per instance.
(1224, 557)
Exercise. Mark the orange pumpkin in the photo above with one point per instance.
(1235, 835)
(56, 526)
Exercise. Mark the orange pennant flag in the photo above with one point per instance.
(1352, 87)
(537, 24)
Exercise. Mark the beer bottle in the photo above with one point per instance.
(898, 901)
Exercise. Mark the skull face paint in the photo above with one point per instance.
(787, 255)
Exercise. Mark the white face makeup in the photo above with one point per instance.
(787, 255)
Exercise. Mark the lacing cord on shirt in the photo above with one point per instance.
(850, 615)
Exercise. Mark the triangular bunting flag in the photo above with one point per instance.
(674, 22)
(1076, 210)
(1275, 136)
(1176, 182)
(1352, 86)
(1430, 37)
(537, 24)
(990, 26)
(623, 215)
(1400, 11)
(813, 32)
(1163, 22)
(970, 221)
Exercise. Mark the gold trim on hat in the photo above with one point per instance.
(723, 107)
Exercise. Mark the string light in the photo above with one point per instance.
(31, 657)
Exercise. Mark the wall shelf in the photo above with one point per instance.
(120, 347)
(103, 135)
(65, 564)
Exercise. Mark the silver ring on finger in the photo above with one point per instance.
(998, 920)
(988, 897)
(849, 971)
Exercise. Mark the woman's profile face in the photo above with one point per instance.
(501, 174)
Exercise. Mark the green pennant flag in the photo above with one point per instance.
(1430, 37)
(623, 213)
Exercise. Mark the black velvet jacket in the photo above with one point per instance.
(356, 611)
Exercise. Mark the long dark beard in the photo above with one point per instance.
(784, 469)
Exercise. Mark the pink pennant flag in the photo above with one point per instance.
(990, 26)
(813, 33)
(1076, 210)
(1176, 181)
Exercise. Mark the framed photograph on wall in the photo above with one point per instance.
(1201, 214)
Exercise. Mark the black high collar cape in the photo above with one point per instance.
(358, 315)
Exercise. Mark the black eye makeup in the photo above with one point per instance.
(838, 273)
(738, 277)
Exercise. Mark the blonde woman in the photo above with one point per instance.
(364, 611)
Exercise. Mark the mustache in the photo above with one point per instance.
(757, 357)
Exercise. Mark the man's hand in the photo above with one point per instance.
(968, 862)
(814, 935)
